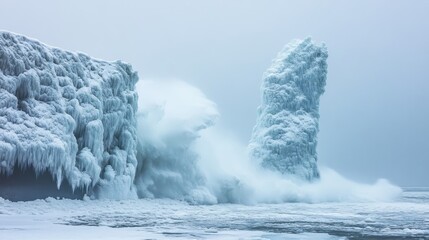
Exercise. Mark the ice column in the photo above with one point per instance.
(284, 138)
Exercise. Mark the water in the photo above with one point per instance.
(406, 218)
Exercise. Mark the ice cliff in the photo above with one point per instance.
(69, 115)
(284, 138)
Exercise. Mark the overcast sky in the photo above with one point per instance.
(375, 112)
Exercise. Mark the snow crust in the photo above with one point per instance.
(406, 218)
(67, 114)
(284, 138)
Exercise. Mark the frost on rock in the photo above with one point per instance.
(69, 115)
(285, 135)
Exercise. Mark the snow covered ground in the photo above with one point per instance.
(406, 218)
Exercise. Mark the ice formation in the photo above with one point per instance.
(285, 135)
(69, 115)
(78, 120)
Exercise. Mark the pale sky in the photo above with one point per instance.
(374, 114)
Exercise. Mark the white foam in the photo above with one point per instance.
(186, 158)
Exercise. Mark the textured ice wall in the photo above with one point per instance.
(67, 114)
(285, 136)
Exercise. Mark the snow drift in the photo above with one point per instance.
(67, 114)
(285, 136)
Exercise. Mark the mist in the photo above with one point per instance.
(185, 156)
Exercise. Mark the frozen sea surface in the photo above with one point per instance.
(406, 218)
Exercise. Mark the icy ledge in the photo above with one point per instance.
(285, 136)
(67, 114)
